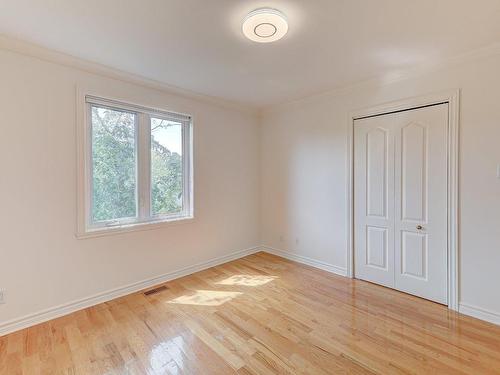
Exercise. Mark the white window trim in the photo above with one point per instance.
(144, 220)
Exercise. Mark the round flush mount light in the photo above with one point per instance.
(265, 25)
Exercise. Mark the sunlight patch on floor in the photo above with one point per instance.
(247, 280)
(167, 357)
(206, 298)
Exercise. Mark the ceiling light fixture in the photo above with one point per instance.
(265, 25)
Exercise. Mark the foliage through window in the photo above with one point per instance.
(113, 165)
(166, 166)
(140, 167)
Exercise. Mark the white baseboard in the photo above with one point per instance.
(306, 260)
(67, 308)
(466, 309)
(479, 313)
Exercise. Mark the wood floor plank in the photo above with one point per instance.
(258, 315)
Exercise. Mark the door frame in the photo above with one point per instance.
(452, 98)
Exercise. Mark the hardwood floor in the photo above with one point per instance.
(258, 315)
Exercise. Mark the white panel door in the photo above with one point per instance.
(374, 200)
(400, 199)
(421, 203)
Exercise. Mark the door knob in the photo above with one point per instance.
(419, 227)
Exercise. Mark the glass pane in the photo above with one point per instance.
(113, 164)
(166, 166)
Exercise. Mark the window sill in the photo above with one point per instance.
(134, 227)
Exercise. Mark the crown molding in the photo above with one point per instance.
(36, 51)
(382, 80)
(48, 55)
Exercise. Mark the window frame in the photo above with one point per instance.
(145, 217)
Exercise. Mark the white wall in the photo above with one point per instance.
(42, 264)
(301, 167)
(304, 162)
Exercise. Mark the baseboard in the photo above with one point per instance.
(466, 309)
(306, 260)
(479, 313)
(68, 308)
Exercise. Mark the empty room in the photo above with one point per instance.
(249, 187)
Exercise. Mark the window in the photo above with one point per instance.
(138, 166)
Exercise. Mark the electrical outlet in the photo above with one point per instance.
(282, 239)
(2, 296)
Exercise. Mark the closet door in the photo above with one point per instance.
(421, 202)
(374, 200)
(400, 201)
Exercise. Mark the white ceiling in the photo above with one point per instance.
(198, 44)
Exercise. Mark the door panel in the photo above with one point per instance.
(413, 171)
(374, 211)
(377, 247)
(414, 254)
(421, 189)
(376, 172)
(400, 201)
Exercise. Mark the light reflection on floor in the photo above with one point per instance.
(247, 280)
(206, 298)
(167, 357)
